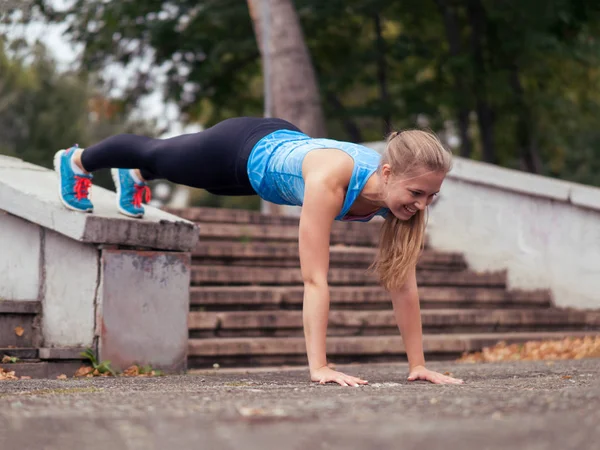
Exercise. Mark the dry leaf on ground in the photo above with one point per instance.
(61, 377)
(83, 371)
(568, 348)
(6, 375)
(132, 371)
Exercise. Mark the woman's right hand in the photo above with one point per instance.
(326, 375)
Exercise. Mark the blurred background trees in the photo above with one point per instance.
(514, 83)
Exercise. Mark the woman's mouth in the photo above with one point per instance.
(409, 210)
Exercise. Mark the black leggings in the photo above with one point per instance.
(215, 159)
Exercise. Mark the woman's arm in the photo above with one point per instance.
(408, 316)
(322, 202)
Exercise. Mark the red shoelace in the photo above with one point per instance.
(141, 191)
(82, 187)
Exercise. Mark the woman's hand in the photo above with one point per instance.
(421, 373)
(327, 375)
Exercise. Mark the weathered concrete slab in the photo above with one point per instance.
(145, 303)
(69, 290)
(433, 320)
(364, 296)
(528, 406)
(208, 274)
(31, 192)
(368, 345)
(17, 328)
(253, 232)
(61, 353)
(285, 254)
(19, 258)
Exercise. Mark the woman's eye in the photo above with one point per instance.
(414, 194)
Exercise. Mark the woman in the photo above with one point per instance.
(274, 159)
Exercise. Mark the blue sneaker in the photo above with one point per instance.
(73, 188)
(130, 193)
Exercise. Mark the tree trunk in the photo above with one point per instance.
(293, 82)
(525, 136)
(461, 95)
(485, 115)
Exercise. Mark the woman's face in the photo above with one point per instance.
(405, 195)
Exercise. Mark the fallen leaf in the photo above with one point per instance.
(61, 377)
(6, 359)
(83, 371)
(563, 349)
(19, 331)
(132, 371)
(7, 375)
(567, 377)
(25, 377)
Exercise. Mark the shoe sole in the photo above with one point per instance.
(115, 176)
(57, 168)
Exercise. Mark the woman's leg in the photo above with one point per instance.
(214, 159)
(209, 159)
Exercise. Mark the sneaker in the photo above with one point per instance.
(130, 193)
(73, 188)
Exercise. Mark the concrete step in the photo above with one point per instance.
(18, 327)
(367, 236)
(285, 254)
(19, 352)
(292, 350)
(43, 369)
(223, 215)
(212, 275)
(215, 298)
(354, 323)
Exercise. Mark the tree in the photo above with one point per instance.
(43, 110)
(513, 78)
(294, 86)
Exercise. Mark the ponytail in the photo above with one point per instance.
(401, 242)
(400, 245)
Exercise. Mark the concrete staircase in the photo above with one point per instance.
(246, 298)
(20, 338)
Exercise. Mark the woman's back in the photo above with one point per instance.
(275, 167)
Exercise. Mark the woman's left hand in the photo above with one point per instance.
(421, 373)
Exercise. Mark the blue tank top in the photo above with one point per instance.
(275, 169)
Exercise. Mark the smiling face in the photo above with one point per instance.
(405, 195)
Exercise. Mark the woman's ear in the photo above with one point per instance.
(386, 173)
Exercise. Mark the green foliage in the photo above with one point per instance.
(10, 359)
(101, 367)
(43, 110)
(518, 77)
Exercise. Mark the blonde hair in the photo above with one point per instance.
(401, 242)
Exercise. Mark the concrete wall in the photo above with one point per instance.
(92, 285)
(19, 259)
(70, 283)
(545, 232)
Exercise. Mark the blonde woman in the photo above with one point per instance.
(331, 180)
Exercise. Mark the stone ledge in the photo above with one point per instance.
(485, 174)
(20, 307)
(61, 353)
(30, 192)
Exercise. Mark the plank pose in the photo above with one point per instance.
(331, 180)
